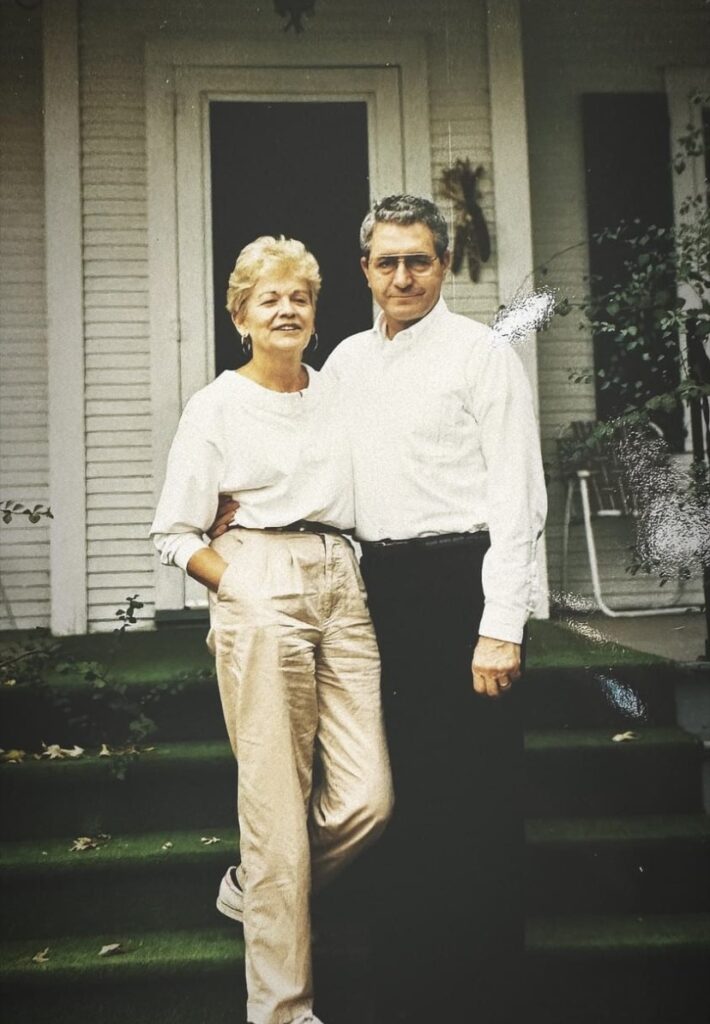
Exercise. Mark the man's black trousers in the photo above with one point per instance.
(447, 875)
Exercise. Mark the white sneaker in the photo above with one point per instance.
(230, 899)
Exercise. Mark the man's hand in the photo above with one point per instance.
(225, 513)
(495, 666)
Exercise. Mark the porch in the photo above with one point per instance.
(617, 844)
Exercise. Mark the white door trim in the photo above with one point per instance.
(177, 72)
(65, 319)
(378, 88)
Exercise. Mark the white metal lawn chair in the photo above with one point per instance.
(603, 494)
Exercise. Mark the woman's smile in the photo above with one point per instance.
(279, 313)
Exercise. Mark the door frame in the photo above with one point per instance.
(178, 77)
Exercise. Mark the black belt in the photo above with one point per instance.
(481, 538)
(307, 526)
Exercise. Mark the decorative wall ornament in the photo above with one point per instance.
(460, 184)
(294, 10)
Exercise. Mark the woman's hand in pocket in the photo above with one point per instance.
(207, 567)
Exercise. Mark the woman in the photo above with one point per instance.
(297, 660)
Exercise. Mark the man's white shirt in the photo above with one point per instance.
(445, 440)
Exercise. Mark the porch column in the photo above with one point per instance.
(512, 188)
(65, 326)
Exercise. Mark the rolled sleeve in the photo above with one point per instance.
(190, 494)
(178, 548)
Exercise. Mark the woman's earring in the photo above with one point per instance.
(246, 343)
(313, 340)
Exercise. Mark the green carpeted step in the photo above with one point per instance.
(641, 969)
(176, 785)
(581, 969)
(617, 935)
(623, 696)
(143, 882)
(176, 977)
(184, 705)
(192, 977)
(167, 677)
(585, 772)
(170, 878)
(69, 710)
(193, 785)
(74, 960)
(656, 863)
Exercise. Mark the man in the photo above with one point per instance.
(450, 502)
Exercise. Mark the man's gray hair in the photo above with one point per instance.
(405, 209)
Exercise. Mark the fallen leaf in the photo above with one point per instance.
(74, 751)
(9, 682)
(83, 843)
(12, 756)
(104, 752)
(624, 737)
(53, 751)
(210, 840)
(111, 949)
(42, 957)
(167, 846)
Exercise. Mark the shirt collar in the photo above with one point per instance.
(416, 330)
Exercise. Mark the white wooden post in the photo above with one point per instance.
(65, 334)
(511, 177)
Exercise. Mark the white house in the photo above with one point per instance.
(109, 167)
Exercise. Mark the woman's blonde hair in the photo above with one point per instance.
(265, 254)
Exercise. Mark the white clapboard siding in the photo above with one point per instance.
(120, 489)
(571, 49)
(119, 467)
(24, 548)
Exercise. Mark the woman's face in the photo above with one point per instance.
(278, 315)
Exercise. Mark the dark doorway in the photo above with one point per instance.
(628, 178)
(300, 170)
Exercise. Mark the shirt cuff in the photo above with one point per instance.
(184, 547)
(501, 624)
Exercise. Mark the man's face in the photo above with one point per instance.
(406, 289)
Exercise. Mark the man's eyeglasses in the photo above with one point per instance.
(416, 263)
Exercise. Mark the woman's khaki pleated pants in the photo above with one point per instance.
(299, 678)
